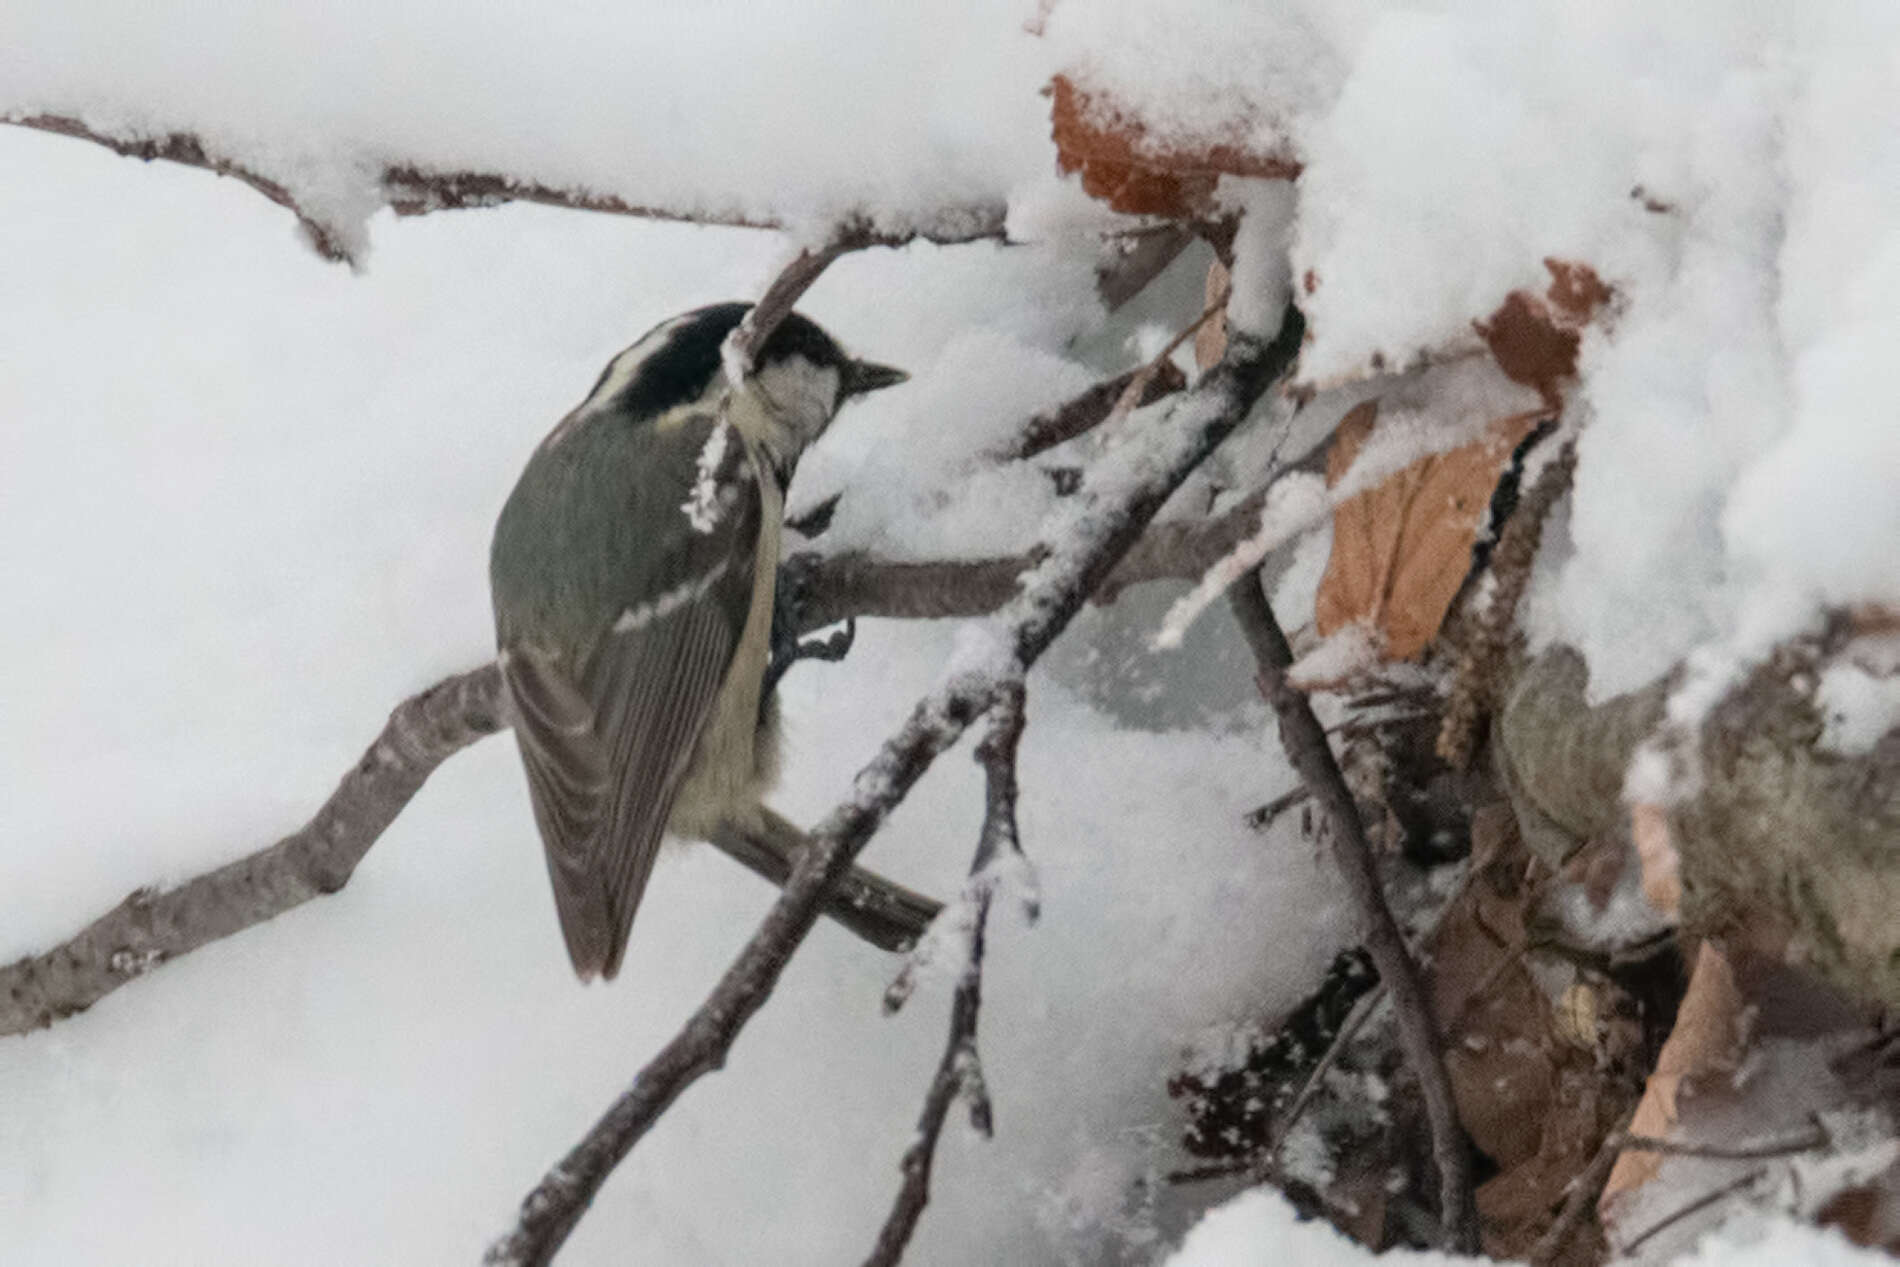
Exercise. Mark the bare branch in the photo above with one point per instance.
(411, 189)
(961, 1069)
(1696, 1206)
(765, 316)
(1807, 1141)
(853, 583)
(150, 926)
(1304, 740)
(1134, 480)
(879, 911)
(1083, 413)
(1580, 1197)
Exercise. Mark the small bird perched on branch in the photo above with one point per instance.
(634, 571)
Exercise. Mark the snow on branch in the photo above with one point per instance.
(960, 1072)
(1122, 493)
(411, 188)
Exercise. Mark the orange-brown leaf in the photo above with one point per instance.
(1534, 338)
(1402, 549)
(1707, 1040)
(1210, 341)
(1123, 165)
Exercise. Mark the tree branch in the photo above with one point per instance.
(150, 926)
(411, 189)
(1580, 1197)
(1125, 490)
(961, 1069)
(1083, 413)
(742, 345)
(1304, 740)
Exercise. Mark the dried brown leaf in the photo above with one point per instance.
(1706, 1041)
(1402, 550)
(1123, 165)
(1210, 341)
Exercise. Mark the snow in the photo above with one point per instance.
(1259, 1228)
(289, 474)
(1729, 170)
(1262, 283)
(1778, 1243)
(927, 484)
(1858, 707)
(245, 500)
(724, 107)
(702, 506)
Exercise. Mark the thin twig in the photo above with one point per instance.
(1138, 385)
(1473, 689)
(961, 1069)
(1083, 413)
(1361, 1013)
(1141, 477)
(1304, 740)
(1696, 1206)
(1806, 1142)
(1262, 817)
(765, 316)
(410, 188)
(1580, 1197)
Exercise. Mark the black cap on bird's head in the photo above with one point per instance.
(672, 363)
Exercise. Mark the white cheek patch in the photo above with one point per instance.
(800, 398)
(640, 616)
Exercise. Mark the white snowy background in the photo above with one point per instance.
(245, 499)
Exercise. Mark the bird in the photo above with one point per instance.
(633, 575)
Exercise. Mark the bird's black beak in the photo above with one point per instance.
(863, 376)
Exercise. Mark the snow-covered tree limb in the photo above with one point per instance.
(414, 187)
(1121, 495)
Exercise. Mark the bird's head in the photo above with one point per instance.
(803, 377)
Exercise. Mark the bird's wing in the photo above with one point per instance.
(607, 741)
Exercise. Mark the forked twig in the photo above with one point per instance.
(961, 1069)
